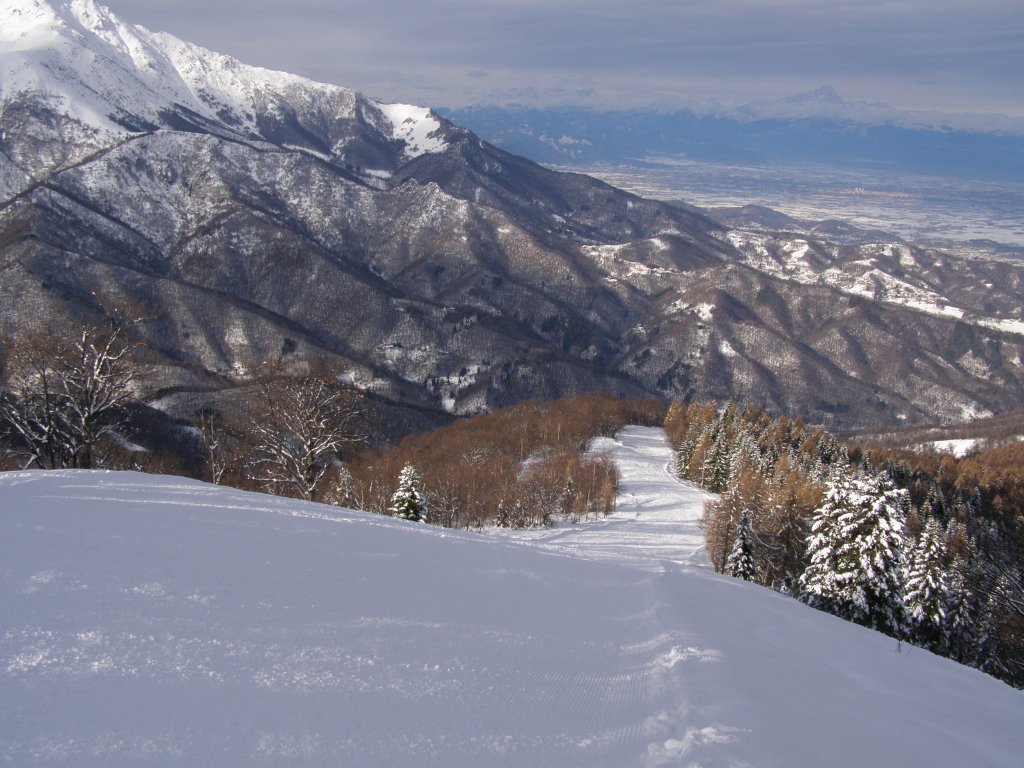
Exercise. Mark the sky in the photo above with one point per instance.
(943, 55)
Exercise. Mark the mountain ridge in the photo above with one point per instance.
(443, 271)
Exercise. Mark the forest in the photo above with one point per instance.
(921, 545)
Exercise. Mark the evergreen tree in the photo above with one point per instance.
(502, 518)
(959, 610)
(740, 563)
(698, 460)
(925, 589)
(714, 475)
(986, 656)
(408, 502)
(745, 455)
(855, 552)
(827, 579)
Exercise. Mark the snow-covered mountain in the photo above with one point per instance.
(111, 79)
(256, 215)
(158, 621)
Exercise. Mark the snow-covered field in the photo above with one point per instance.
(157, 621)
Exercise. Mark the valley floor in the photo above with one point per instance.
(158, 621)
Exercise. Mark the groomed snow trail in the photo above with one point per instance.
(656, 518)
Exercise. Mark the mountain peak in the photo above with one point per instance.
(87, 63)
(113, 76)
(31, 23)
(826, 94)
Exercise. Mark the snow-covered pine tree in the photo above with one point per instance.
(502, 519)
(926, 587)
(744, 455)
(696, 453)
(828, 578)
(408, 502)
(714, 474)
(855, 552)
(740, 563)
(959, 609)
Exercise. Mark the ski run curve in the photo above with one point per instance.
(159, 621)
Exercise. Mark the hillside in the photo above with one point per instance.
(157, 621)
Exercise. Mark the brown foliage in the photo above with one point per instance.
(767, 468)
(779, 507)
(994, 477)
(519, 466)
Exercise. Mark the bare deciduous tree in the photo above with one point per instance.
(298, 426)
(65, 397)
(216, 442)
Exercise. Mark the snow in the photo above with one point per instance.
(705, 311)
(958, 448)
(417, 127)
(80, 53)
(95, 66)
(962, 446)
(149, 620)
(656, 516)
(1009, 326)
(789, 259)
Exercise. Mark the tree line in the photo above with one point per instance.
(76, 400)
(922, 546)
(521, 466)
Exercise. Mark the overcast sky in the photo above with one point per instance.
(947, 55)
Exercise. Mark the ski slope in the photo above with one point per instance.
(656, 514)
(150, 620)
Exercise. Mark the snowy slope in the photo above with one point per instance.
(893, 273)
(417, 127)
(107, 74)
(160, 621)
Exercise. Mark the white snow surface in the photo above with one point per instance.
(150, 620)
(958, 448)
(96, 66)
(417, 127)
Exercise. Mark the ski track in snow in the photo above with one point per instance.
(159, 621)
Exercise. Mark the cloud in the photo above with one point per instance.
(938, 54)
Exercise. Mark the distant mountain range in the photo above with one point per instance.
(264, 216)
(819, 127)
